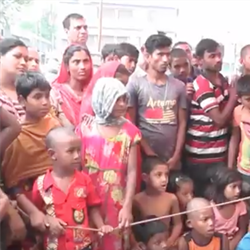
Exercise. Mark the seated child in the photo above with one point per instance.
(151, 235)
(202, 225)
(244, 243)
(239, 141)
(155, 200)
(232, 219)
(67, 195)
(183, 187)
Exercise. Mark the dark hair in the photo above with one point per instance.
(66, 21)
(108, 49)
(221, 179)
(149, 162)
(122, 70)
(182, 43)
(69, 52)
(244, 50)
(7, 44)
(176, 179)
(126, 49)
(29, 81)
(206, 45)
(144, 232)
(157, 42)
(177, 53)
(243, 86)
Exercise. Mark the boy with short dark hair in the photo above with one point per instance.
(155, 200)
(27, 157)
(108, 52)
(128, 55)
(151, 234)
(239, 142)
(201, 223)
(67, 195)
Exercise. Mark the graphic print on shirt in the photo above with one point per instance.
(78, 216)
(160, 111)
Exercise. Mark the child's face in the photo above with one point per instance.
(120, 107)
(129, 62)
(37, 103)
(158, 177)
(180, 68)
(157, 242)
(233, 190)
(203, 222)
(67, 154)
(245, 100)
(185, 193)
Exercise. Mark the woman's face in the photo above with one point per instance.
(15, 61)
(80, 65)
(34, 61)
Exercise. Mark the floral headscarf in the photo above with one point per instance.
(105, 94)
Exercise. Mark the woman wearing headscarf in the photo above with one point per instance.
(68, 89)
(110, 156)
(110, 69)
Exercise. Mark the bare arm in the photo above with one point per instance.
(177, 223)
(95, 215)
(182, 244)
(225, 243)
(4, 203)
(233, 147)
(10, 129)
(181, 133)
(243, 225)
(131, 180)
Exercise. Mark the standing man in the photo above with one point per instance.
(212, 106)
(158, 104)
(76, 29)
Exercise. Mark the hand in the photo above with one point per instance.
(173, 163)
(37, 220)
(55, 226)
(139, 246)
(105, 229)
(190, 89)
(124, 217)
(232, 93)
(4, 203)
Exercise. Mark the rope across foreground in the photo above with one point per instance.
(158, 218)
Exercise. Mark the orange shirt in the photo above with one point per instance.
(214, 244)
(71, 207)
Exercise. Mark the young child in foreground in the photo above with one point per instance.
(151, 235)
(67, 195)
(202, 225)
(155, 200)
(240, 139)
(232, 219)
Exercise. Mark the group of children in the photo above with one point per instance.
(66, 196)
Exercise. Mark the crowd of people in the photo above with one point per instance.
(150, 152)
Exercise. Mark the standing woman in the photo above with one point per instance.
(67, 91)
(13, 62)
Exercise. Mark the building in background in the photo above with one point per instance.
(122, 21)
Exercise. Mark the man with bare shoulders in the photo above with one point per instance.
(76, 29)
(155, 200)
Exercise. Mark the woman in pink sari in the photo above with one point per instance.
(110, 69)
(67, 91)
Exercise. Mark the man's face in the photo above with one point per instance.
(180, 67)
(159, 59)
(212, 60)
(78, 31)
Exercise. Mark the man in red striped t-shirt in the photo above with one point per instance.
(211, 110)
